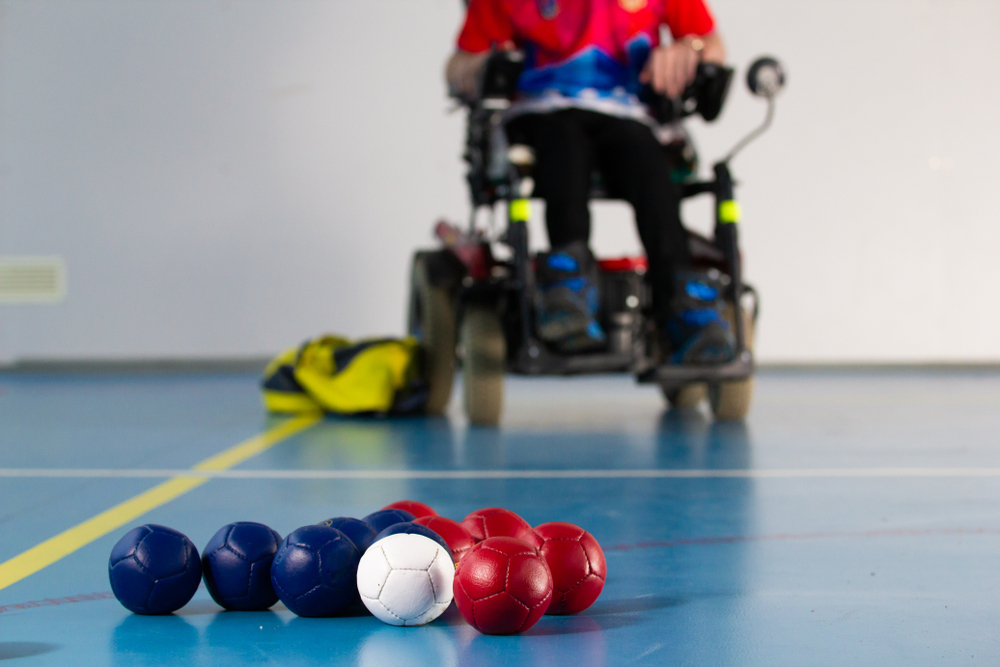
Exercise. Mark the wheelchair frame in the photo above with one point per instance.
(467, 270)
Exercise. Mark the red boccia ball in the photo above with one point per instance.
(452, 532)
(502, 586)
(413, 507)
(577, 564)
(497, 522)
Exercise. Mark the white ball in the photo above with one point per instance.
(406, 579)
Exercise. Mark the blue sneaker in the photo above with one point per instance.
(696, 332)
(568, 300)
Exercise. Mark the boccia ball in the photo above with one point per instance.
(406, 579)
(361, 533)
(411, 528)
(236, 564)
(413, 507)
(315, 570)
(384, 518)
(154, 570)
(498, 522)
(577, 564)
(458, 539)
(502, 586)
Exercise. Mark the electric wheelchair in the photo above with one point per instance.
(472, 299)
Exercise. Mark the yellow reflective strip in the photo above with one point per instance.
(520, 210)
(730, 211)
(55, 548)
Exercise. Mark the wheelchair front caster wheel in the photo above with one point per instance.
(686, 397)
(485, 354)
(730, 400)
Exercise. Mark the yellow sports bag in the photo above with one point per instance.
(333, 374)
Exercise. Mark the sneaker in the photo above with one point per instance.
(568, 300)
(591, 339)
(696, 332)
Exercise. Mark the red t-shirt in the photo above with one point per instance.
(581, 48)
(565, 26)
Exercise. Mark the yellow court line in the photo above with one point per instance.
(68, 541)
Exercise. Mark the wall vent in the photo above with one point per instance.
(32, 279)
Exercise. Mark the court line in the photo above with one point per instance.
(182, 481)
(207, 470)
(55, 602)
(782, 537)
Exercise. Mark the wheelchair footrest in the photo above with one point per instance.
(547, 363)
(675, 374)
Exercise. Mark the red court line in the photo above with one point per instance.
(735, 539)
(54, 602)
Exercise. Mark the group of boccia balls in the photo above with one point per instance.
(405, 563)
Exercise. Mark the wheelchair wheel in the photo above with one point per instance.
(730, 400)
(689, 396)
(431, 320)
(485, 353)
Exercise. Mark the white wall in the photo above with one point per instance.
(225, 178)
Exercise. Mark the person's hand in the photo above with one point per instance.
(463, 73)
(670, 69)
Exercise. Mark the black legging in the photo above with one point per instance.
(569, 144)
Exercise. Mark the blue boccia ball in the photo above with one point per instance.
(154, 570)
(361, 533)
(384, 518)
(236, 563)
(315, 571)
(413, 529)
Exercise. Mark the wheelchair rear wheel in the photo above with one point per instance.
(485, 353)
(730, 401)
(431, 320)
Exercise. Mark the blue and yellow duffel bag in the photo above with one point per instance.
(336, 375)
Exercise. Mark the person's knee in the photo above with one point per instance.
(634, 160)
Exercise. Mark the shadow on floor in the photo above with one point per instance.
(633, 605)
(11, 650)
(603, 616)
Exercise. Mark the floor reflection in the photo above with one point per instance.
(711, 578)
(427, 646)
(689, 438)
(149, 640)
(244, 637)
(348, 443)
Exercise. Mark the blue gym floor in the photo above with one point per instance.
(853, 520)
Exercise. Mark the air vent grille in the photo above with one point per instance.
(32, 279)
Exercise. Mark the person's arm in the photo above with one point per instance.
(671, 68)
(486, 27)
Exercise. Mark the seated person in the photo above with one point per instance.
(578, 107)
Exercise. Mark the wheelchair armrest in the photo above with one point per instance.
(704, 96)
(498, 77)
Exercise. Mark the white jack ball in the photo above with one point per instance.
(406, 579)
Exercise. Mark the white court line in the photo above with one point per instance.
(502, 474)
